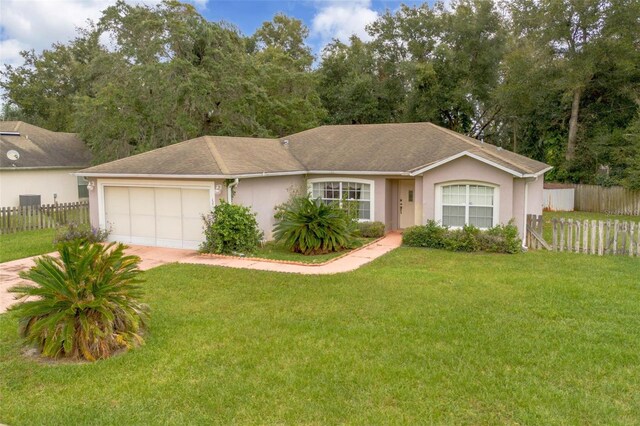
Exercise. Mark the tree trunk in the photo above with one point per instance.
(573, 125)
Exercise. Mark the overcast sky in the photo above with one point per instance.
(36, 24)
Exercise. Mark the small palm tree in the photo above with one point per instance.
(312, 227)
(84, 304)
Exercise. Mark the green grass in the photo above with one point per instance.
(25, 244)
(417, 336)
(275, 251)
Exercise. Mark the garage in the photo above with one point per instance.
(156, 216)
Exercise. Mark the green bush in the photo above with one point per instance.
(82, 232)
(313, 227)
(465, 239)
(370, 229)
(499, 239)
(231, 229)
(84, 304)
(430, 235)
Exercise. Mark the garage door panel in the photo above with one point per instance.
(169, 227)
(117, 218)
(142, 201)
(167, 217)
(168, 202)
(143, 215)
(195, 203)
(193, 230)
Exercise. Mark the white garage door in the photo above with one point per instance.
(166, 217)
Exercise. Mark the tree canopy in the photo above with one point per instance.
(556, 80)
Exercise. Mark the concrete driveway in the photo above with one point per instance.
(156, 256)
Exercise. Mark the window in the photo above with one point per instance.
(83, 191)
(356, 192)
(468, 204)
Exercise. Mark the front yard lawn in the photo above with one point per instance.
(417, 336)
(26, 243)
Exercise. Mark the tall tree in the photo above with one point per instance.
(288, 100)
(579, 35)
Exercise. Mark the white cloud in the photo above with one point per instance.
(36, 24)
(342, 19)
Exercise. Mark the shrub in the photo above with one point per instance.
(82, 232)
(370, 229)
(313, 227)
(464, 239)
(231, 229)
(499, 239)
(430, 235)
(84, 304)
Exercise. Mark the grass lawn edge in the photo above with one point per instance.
(293, 262)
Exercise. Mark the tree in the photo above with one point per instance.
(43, 89)
(287, 99)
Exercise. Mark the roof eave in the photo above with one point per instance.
(358, 172)
(43, 168)
(425, 168)
(538, 174)
(180, 176)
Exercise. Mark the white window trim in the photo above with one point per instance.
(496, 200)
(371, 184)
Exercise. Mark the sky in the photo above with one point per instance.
(36, 24)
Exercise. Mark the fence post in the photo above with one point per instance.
(632, 226)
(600, 238)
(623, 229)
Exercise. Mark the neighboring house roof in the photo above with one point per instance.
(403, 148)
(40, 148)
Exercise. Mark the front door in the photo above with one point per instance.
(406, 203)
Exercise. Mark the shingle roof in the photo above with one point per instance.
(41, 148)
(394, 148)
(207, 156)
(383, 148)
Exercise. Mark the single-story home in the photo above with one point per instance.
(399, 174)
(37, 165)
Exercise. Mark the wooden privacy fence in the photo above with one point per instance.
(584, 236)
(611, 200)
(27, 218)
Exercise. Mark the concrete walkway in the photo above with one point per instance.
(156, 256)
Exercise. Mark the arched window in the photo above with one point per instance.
(460, 203)
(356, 191)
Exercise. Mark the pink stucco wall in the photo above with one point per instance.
(263, 194)
(467, 169)
(379, 191)
(512, 199)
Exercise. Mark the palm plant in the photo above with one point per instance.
(84, 304)
(312, 227)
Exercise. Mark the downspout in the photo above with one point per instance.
(230, 190)
(526, 209)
